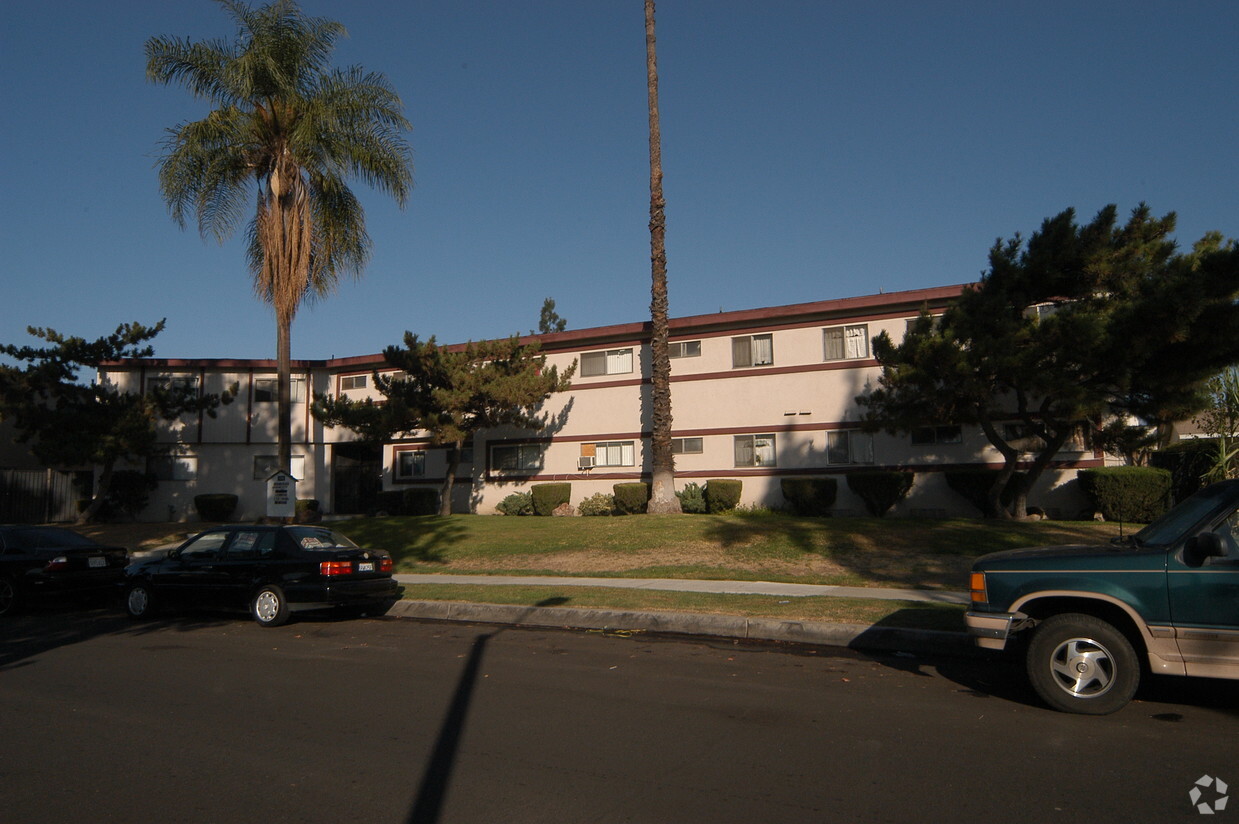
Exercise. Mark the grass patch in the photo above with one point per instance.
(910, 614)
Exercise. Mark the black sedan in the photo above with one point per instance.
(270, 570)
(37, 561)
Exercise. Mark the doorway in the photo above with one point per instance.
(356, 478)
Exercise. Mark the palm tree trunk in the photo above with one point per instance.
(662, 491)
(283, 355)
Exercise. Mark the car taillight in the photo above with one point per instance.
(329, 568)
(385, 565)
(58, 563)
(977, 587)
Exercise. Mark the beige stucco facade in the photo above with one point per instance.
(757, 396)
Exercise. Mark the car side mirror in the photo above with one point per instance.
(1203, 546)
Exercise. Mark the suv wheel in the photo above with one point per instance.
(1079, 663)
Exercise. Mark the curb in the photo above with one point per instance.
(852, 636)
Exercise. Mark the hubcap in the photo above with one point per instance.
(267, 605)
(1082, 668)
(139, 599)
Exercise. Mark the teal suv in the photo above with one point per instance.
(1095, 618)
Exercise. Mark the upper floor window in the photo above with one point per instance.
(755, 450)
(609, 362)
(849, 446)
(267, 465)
(266, 390)
(752, 350)
(354, 382)
(846, 342)
(936, 434)
(614, 453)
(172, 382)
(520, 457)
(684, 349)
(686, 446)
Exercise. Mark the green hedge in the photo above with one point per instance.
(518, 503)
(631, 498)
(810, 496)
(217, 507)
(390, 502)
(1187, 461)
(881, 489)
(420, 500)
(128, 494)
(546, 497)
(1128, 493)
(308, 511)
(600, 503)
(722, 495)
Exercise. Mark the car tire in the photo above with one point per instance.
(10, 598)
(1082, 664)
(139, 600)
(269, 607)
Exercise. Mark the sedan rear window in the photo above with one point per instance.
(308, 537)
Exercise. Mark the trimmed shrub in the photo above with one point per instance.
(974, 486)
(722, 495)
(600, 503)
(390, 502)
(308, 511)
(692, 499)
(420, 500)
(880, 489)
(631, 499)
(1128, 493)
(217, 507)
(810, 496)
(548, 496)
(518, 503)
(1187, 461)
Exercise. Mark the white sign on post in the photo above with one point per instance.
(281, 495)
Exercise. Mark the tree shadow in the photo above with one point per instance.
(422, 538)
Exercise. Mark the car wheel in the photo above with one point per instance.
(9, 600)
(139, 600)
(1079, 663)
(269, 607)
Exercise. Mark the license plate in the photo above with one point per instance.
(97, 562)
(365, 566)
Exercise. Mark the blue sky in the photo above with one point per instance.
(812, 150)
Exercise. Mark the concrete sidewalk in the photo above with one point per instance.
(875, 637)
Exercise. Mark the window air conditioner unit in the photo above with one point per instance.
(585, 462)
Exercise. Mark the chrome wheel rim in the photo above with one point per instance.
(266, 606)
(139, 600)
(1082, 668)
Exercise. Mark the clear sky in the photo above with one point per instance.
(812, 150)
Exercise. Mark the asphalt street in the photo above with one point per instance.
(209, 718)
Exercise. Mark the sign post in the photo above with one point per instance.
(281, 495)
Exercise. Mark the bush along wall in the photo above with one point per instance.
(881, 489)
(692, 499)
(631, 498)
(810, 496)
(1128, 493)
(518, 503)
(420, 500)
(548, 496)
(722, 495)
(1187, 462)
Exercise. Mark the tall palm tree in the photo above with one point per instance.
(662, 487)
(294, 129)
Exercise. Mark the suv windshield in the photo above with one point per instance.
(317, 537)
(1175, 524)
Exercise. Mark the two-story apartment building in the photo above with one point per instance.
(757, 395)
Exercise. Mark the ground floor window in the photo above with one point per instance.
(849, 446)
(267, 465)
(410, 463)
(755, 450)
(173, 467)
(521, 457)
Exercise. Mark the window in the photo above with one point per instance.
(1025, 439)
(754, 450)
(923, 435)
(354, 382)
(686, 446)
(684, 349)
(411, 463)
(267, 465)
(173, 467)
(172, 382)
(251, 544)
(849, 446)
(266, 390)
(846, 342)
(615, 453)
(610, 362)
(523, 457)
(204, 547)
(752, 350)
